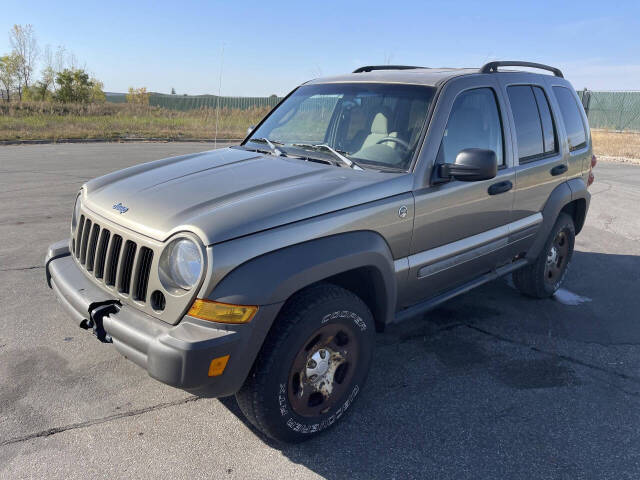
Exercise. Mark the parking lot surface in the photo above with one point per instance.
(489, 385)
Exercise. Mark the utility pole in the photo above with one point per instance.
(215, 141)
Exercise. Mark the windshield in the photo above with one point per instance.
(373, 125)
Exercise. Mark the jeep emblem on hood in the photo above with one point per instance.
(121, 208)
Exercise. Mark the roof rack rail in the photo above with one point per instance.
(492, 67)
(371, 68)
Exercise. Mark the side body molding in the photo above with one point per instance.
(275, 276)
(561, 196)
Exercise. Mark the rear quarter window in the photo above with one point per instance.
(548, 128)
(569, 109)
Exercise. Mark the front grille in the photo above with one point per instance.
(117, 262)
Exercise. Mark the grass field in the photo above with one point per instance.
(50, 121)
(616, 144)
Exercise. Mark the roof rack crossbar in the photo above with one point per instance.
(492, 67)
(371, 68)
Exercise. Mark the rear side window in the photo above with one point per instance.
(527, 122)
(548, 130)
(474, 122)
(576, 132)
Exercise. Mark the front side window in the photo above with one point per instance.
(376, 125)
(576, 133)
(474, 122)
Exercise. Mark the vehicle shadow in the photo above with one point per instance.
(445, 399)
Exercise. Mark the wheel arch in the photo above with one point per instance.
(571, 197)
(576, 209)
(360, 262)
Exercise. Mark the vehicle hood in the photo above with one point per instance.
(227, 193)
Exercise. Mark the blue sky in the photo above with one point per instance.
(270, 47)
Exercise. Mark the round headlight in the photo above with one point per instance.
(76, 214)
(181, 263)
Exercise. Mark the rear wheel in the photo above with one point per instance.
(545, 275)
(312, 365)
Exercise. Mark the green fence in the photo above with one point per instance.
(607, 110)
(612, 110)
(191, 102)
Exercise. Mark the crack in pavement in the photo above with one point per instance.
(566, 358)
(17, 269)
(132, 413)
(44, 172)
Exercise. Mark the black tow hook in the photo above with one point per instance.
(95, 321)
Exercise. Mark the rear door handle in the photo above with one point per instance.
(559, 169)
(500, 187)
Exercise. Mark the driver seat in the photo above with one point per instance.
(379, 130)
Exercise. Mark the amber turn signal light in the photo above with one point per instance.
(217, 366)
(221, 312)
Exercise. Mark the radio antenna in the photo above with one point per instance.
(215, 140)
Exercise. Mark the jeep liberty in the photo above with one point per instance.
(264, 270)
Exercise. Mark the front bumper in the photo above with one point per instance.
(178, 355)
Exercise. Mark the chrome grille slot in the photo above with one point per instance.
(85, 240)
(101, 254)
(79, 237)
(126, 266)
(114, 256)
(144, 268)
(93, 244)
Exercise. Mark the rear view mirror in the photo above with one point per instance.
(471, 164)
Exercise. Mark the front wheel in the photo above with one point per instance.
(312, 365)
(544, 276)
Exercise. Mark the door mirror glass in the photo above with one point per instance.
(472, 164)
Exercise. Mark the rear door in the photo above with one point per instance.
(541, 163)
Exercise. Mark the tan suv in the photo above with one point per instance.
(264, 270)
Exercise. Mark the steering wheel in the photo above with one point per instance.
(397, 140)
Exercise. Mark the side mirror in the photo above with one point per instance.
(471, 164)
(250, 129)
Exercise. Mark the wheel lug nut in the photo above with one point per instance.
(323, 354)
(313, 377)
(311, 364)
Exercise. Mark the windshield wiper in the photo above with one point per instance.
(271, 145)
(338, 155)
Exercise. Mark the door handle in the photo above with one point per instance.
(559, 169)
(500, 187)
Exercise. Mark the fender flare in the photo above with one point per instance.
(561, 196)
(275, 276)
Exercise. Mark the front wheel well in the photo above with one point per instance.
(577, 209)
(368, 284)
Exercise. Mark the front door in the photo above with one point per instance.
(461, 228)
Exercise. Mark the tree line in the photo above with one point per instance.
(60, 78)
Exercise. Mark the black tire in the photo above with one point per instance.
(537, 279)
(266, 396)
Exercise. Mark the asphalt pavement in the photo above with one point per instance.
(489, 385)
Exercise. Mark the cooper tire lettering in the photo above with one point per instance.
(305, 428)
(357, 320)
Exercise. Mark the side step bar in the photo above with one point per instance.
(427, 305)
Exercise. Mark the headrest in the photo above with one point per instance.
(379, 124)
